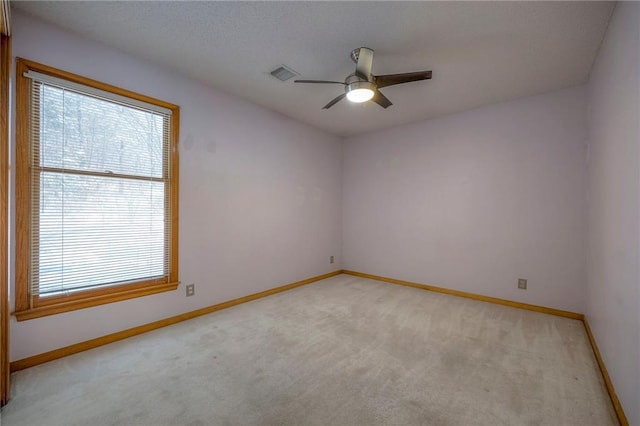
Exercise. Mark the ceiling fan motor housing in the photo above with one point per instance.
(360, 84)
(353, 78)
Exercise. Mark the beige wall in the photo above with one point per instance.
(473, 201)
(613, 275)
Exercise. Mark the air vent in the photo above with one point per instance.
(283, 73)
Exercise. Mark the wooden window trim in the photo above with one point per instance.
(5, 65)
(5, 18)
(28, 307)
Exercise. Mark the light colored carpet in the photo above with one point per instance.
(343, 351)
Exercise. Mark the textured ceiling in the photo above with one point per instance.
(480, 52)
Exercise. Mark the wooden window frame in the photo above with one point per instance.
(30, 306)
(5, 65)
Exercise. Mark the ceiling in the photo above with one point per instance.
(480, 52)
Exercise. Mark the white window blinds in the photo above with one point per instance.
(100, 188)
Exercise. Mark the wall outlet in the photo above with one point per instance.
(191, 290)
(330, 259)
(522, 283)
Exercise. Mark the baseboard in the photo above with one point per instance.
(617, 406)
(498, 301)
(120, 335)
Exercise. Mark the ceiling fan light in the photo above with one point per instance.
(360, 95)
(360, 91)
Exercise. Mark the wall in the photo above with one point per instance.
(613, 290)
(260, 194)
(475, 200)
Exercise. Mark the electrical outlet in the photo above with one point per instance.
(522, 283)
(191, 290)
(330, 259)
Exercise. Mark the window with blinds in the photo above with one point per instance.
(100, 191)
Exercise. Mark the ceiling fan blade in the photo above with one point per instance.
(334, 101)
(381, 100)
(319, 81)
(365, 63)
(392, 79)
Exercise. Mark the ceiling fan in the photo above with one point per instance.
(362, 85)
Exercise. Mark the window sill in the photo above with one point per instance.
(58, 308)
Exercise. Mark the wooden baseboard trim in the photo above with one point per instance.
(32, 361)
(617, 406)
(498, 301)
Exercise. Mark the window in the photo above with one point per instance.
(96, 192)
